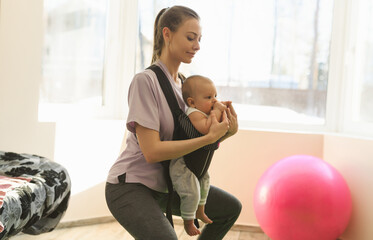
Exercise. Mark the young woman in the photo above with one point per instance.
(136, 190)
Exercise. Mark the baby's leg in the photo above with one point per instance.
(205, 186)
(187, 186)
(201, 215)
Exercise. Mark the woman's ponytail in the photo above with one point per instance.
(158, 38)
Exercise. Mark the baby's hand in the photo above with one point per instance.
(219, 106)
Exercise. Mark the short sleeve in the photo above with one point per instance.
(142, 103)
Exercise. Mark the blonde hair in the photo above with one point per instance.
(170, 18)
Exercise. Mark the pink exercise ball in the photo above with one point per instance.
(302, 198)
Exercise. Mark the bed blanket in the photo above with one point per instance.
(34, 194)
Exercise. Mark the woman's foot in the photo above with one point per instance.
(190, 228)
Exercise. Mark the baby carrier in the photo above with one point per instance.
(198, 161)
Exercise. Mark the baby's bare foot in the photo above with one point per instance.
(200, 214)
(190, 228)
(203, 217)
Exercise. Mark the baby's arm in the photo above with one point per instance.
(200, 122)
(203, 123)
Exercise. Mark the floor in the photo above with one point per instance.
(113, 231)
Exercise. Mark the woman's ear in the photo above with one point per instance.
(190, 102)
(166, 35)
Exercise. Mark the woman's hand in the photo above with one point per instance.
(218, 129)
(232, 117)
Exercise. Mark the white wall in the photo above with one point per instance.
(20, 76)
(353, 158)
(88, 149)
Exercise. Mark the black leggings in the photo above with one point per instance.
(140, 211)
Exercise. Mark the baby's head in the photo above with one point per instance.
(199, 92)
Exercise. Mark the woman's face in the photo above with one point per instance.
(184, 43)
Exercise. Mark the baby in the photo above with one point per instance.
(199, 93)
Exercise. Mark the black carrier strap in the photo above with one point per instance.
(197, 161)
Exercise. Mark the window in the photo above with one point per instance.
(73, 56)
(358, 85)
(290, 64)
(271, 58)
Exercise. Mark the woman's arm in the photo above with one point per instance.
(155, 150)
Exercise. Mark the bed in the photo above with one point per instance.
(34, 194)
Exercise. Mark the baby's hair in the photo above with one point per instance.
(189, 86)
(170, 18)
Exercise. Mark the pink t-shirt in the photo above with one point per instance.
(149, 108)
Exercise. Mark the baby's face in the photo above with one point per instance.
(205, 97)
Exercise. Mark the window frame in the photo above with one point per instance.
(350, 85)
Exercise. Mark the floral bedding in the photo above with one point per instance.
(34, 194)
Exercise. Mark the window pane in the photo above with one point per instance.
(269, 57)
(73, 54)
(365, 43)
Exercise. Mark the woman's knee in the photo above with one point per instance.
(222, 203)
(236, 207)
